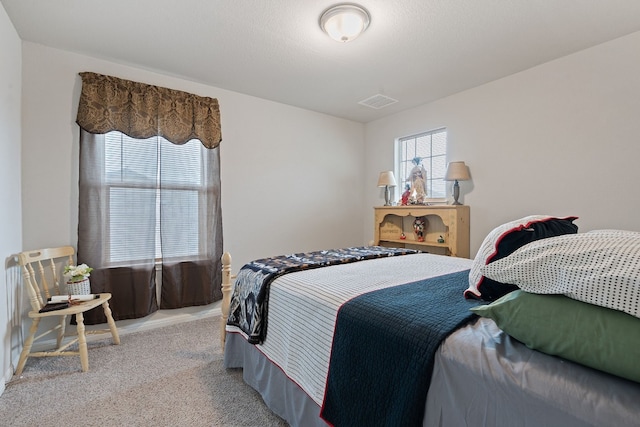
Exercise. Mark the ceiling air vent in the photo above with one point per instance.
(377, 101)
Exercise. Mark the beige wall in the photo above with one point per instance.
(282, 167)
(562, 138)
(10, 208)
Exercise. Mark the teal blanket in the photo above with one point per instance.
(384, 347)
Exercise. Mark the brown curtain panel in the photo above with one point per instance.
(188, 279)
(132, 285)
(188, 214)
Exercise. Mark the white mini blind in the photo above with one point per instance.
(153, 199)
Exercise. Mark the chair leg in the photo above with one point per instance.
(61, 331)
(82, 342)
(27, 346)
(112, 324)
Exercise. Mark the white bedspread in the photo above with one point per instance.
(303, 308)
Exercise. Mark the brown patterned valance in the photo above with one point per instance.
(142, 111)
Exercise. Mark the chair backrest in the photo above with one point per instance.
(42, 270)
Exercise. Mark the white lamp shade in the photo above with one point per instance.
(344, 22)
(457, 171)
(387, 179)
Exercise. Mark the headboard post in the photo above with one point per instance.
(226, 294)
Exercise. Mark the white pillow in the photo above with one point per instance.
(600, 267)
(505, 239)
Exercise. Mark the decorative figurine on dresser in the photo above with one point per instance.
(404, 200)
(418, 179)
(419, 226)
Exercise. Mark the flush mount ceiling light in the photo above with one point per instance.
(344, 22)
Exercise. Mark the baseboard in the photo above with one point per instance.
(7, 377)
(159, 319)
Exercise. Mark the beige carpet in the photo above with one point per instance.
(170, 376)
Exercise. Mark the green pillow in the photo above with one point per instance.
(594, 336)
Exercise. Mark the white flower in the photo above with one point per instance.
(78, 273)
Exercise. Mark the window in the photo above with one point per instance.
(430, 149)
(149, 214)
(136, 172)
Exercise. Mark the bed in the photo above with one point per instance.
(485, 368)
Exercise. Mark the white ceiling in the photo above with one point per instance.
(415, 51)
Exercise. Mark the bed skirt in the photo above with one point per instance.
(280, 394)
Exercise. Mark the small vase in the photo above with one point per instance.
(82, 287)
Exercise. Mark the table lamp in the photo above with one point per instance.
(387, 180)
(457, 171)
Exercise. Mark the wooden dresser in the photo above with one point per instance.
(447, 223)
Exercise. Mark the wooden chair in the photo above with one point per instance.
(42, 272)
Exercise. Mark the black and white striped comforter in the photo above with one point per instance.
(250, 300)
(303, 307)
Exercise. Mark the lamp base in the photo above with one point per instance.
(456, 193)
(387, 196)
